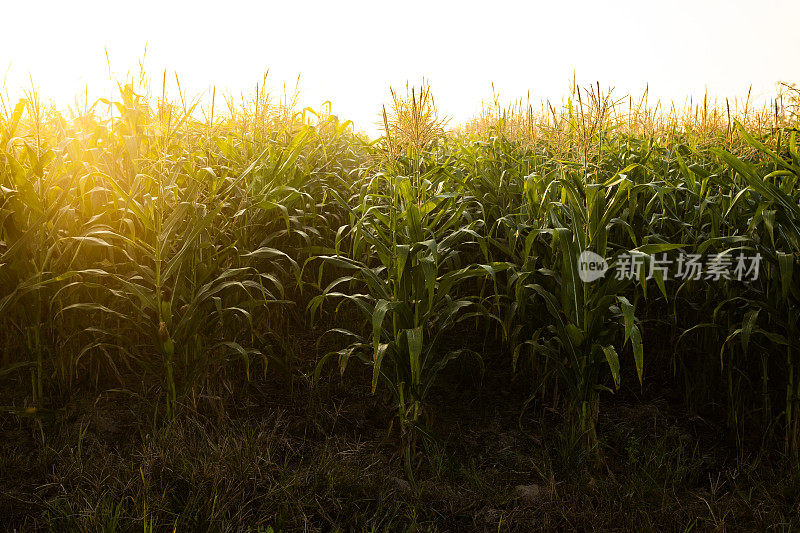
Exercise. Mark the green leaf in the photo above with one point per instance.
(638, 352)
(415, 338)
(748, 324)
(380, 353)
(613, 363)
(627, 313)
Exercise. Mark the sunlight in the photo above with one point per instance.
(351, 52)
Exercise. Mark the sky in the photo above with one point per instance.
(351, 52)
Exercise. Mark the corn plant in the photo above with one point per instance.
(407, 236)
(770, 190)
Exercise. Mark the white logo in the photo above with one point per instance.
(591, 266)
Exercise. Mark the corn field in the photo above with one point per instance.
(151, 247)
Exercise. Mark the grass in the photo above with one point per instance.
(297, 464)
(177, 294)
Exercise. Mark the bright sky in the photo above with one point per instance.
(351, 52)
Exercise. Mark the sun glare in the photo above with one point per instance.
(350, 53)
